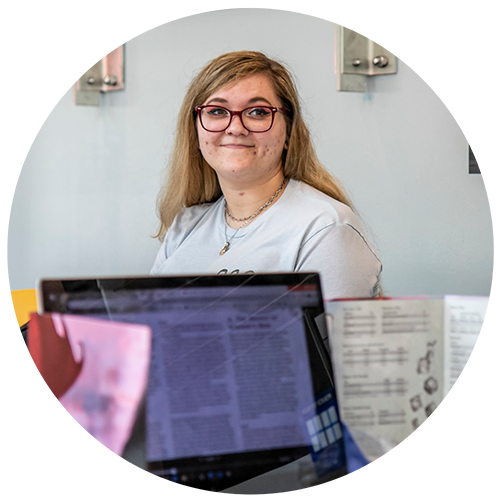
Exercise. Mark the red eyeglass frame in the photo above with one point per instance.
(273, 109)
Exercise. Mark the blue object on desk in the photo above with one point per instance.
(354, 456)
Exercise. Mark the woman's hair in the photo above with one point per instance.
(191, 181)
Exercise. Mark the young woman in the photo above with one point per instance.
(246, 192)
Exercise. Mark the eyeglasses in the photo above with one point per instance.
(254, 119)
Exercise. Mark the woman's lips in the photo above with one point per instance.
(236, 146)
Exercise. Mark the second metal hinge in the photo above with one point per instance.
(358, 58)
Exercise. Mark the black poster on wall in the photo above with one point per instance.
(481, 90)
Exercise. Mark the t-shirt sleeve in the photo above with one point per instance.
(183, 224)
(347, 264)
(161, 257)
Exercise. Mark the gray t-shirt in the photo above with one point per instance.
(305, 230)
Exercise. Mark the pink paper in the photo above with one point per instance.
(106, 394)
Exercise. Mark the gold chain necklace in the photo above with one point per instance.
(246, 220)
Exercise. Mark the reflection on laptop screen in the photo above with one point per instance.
(231, 391)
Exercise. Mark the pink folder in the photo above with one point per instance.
(98, 370)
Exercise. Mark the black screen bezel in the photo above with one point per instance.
(252, 463)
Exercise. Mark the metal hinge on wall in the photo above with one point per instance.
(98, 58)
(358, 58)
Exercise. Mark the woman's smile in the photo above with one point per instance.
(236, 146)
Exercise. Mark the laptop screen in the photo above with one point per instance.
(239, 380)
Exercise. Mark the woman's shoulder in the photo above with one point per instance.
(321, 204)
(185, 222)
(189, 217)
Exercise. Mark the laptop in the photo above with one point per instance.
(240, 379)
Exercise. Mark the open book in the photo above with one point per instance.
(396, 359)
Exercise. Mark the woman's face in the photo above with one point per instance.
(237, 154)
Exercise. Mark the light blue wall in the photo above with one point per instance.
(85, 201)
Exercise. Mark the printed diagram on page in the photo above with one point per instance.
(423, 404)
(419, 403)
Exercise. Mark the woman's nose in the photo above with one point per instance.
(236, 127)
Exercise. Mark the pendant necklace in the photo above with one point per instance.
(246, 220)
(225, 248)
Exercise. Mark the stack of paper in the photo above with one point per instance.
(396, 359)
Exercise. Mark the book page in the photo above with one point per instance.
(387, 357)
(469, 358)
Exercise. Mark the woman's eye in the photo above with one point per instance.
(258, 112)
(217, 111)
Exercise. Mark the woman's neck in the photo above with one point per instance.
(244, 199)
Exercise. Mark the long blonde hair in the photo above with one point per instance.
(191, 181)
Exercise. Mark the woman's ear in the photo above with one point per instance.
(286, 144)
